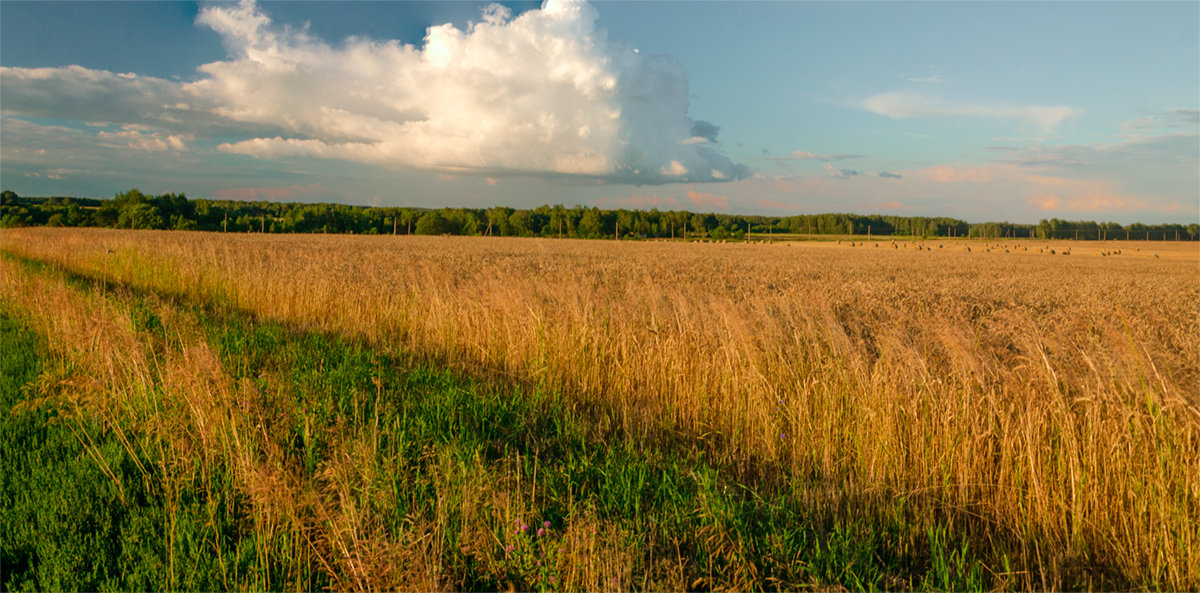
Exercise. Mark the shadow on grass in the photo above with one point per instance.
(685, 519)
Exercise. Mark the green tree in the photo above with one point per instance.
(497, 220)
(139, 216)
(432, 223)
(519, 224)
(591, 224)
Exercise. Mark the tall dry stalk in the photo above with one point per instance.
(1051, 399)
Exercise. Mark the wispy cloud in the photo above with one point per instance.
(777, 205)
(913, 105)
(804, 155)
(289, 192)
(1162, 147)
(1173, 119)
(131, 137)
(936, 78)
(708, 200)
(840, 173)
(1079, 195)
(637, 202)
(888, 175)
(1044, 192)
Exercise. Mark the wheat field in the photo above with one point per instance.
(1047, 406)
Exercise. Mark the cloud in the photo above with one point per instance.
(543, 93)
(135, 138)
(912, 105)
(99, 98)
(1079, 195)
(964, 173)
(1168, 149)
(887, 175)
(674, 169)
(102, 160)
(804, 155)
(1170, 119)
(705, 130)
(708, 200)
(270, 194)
(936, 78)
(840, 173)
(75, 92)
(637, 202)
(777, 205)
(1037, 157)
(1060, 193)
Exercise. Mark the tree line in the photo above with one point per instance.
(134, 210)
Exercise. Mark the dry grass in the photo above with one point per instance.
(1052, 399)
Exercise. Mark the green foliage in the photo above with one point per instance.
(139, 216)
(432, 223)
(63, 525)
(133, 209)
(78, 509)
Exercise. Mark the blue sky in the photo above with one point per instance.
(985, 111)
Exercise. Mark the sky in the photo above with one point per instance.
(1016, 111)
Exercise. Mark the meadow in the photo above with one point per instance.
(219, 411)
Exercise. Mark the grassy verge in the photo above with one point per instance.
(364, 470)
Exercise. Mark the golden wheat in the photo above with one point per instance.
(1052, 398)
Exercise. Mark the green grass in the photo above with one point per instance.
(434, 437)
(80, 511)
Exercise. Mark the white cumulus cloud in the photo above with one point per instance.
(913, 105)
(543, 93)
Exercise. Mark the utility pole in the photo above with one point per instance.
(225, 225)
(394, 224)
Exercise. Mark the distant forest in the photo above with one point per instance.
(135, 210)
